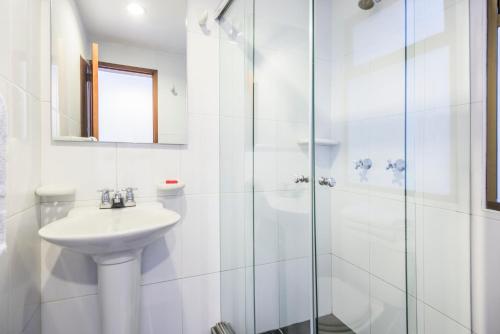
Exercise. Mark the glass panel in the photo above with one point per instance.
(236, 166)
(438, 172)
(360, 103)
(282, 210)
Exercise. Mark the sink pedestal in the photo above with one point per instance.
(115, 240)
(119, 288)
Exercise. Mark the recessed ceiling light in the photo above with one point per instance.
(135, 9)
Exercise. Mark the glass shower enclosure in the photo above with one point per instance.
(332, 116)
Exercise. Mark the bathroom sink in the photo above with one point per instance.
(95, 232)
(114, 238)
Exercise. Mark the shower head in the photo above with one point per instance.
(367, 4)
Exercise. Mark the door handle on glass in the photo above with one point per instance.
(301, 179)
(327, 181)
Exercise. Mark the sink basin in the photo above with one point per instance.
(97, 232)
(115, 239)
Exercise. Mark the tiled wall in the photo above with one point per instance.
(20, 93)
(180, 272)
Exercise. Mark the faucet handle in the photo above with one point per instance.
(105, 193)
(129, 196)
(105, 198)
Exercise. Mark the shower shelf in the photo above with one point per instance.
(320, 142)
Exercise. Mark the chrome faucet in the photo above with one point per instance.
(118, 201)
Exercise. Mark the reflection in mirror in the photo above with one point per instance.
(119, 71)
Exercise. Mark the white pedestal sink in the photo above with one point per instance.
(115, 239)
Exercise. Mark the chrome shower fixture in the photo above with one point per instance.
(367, 4)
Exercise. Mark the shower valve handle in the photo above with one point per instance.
(363, 164)
(397, 166)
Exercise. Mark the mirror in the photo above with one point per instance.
(119, 71)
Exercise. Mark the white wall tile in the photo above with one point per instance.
(161, 308)
(438, 323)
(267, 296)
(66, 274)
(76, 315)
(234, 304)
(19, 62)
(446, 158)
(4, 292)
(388, 241)
(200, 235)
(281, 30)
(295, 291)
(236, 215)
(446, 263)
(162, 260)
(24, 268)
(201, 303)
(235, 154)
(485, 275)
(202, 74)
(85, 166)
(200, 158)
(266, 229)
(323, 219)
(294, 226)
(351, 228)
(23, 147)
(265, 159)
(388, 308)
(324, 277)
(351, 295)
(145, 166)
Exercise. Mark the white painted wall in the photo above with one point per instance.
(181, 272)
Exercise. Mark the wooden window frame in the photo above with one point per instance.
(492, 106)
(140, 70)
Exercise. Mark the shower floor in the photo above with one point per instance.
(327, 324)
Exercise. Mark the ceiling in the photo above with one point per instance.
(162, 27)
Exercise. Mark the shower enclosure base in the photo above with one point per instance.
(326, 324)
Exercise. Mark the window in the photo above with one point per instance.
(492, 160)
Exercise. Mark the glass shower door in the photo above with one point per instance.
(360, 166)
(282, 173)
